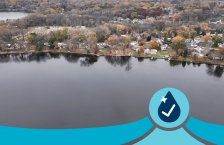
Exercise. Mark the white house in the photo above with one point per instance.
(134, 45)
(62, 45)
(164, 47)
(101, 45)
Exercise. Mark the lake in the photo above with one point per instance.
(62, 91)
(12, 15)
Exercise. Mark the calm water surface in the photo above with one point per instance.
(61, 91)
(12, 15)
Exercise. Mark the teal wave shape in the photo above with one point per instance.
(210, 132)
(175, 137)
(111, 135)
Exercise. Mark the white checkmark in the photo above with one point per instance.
(168, 114)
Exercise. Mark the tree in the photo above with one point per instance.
(178, 39)
(185, 52)
(153, 45)
(82, 37)
(91, 39)
(96, 50)
(206, 38)
(216, 40)
(149, 38)
(184, 34)
(198, 30)
(102, 33)
(61, 35)
(173, 54)
(141, 43)
(141, 49)
(112, 41)
(177, 43)
(193, 34)
(221, 50)
(120, 29)
(30, 38)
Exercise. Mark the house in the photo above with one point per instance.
(127, 20)
(9, 45)
(101, 45)
(146, 46)
(137, 36)
(18, 37)
(62, 45)
(134, 45)
(164, 47)
(83, 46)
(215, 56)
(220, 35)
(120, 19)
(153, 51)
(213, 21)
(146, 51)
(135, 20)
(46, 44)
(157, 40)
(17, 46)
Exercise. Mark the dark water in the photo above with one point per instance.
(61, 91)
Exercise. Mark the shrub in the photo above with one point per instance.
(141, 43)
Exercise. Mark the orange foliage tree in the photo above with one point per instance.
(153, 45)
(178, 43)
(141, 43)
(206, 38)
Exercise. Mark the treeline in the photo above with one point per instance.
(74, 20)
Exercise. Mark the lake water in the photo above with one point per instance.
(62, 91)
(12, 15)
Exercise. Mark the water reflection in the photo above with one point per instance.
(128, 67)
(72, 58)
(175, 63)
(183, 63)
(88, 60)
(117, 60)
(140, 59)
(214, 71)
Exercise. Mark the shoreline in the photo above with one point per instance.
(205, 61)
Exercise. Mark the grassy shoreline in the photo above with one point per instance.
(187, 59)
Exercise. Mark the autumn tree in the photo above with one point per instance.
(120, 29)
(141, 49)
(221, 50)
(102, 33)
(61, 35)
(173, 54)
(30, 38)
(184, 34)
(91, 39)
(177, 43)
(206, 38)
(141, 43)
(153, 45)
(111, 41)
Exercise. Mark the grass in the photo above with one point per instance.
(103, 51)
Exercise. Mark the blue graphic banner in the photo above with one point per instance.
(112, 135)
(210, 132)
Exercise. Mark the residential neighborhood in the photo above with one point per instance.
(158, 29)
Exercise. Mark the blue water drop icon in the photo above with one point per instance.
(169, 110)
